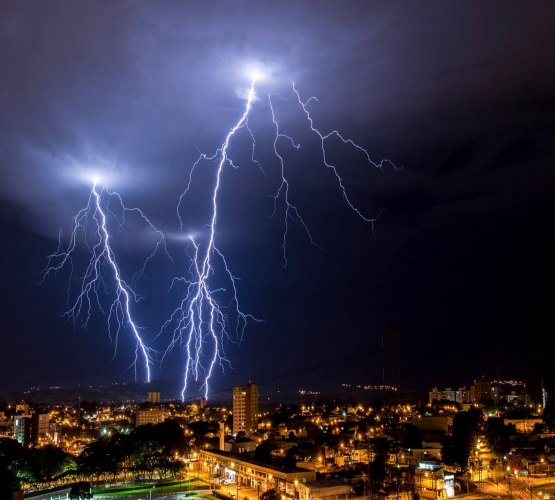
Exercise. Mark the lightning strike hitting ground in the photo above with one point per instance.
(201, 321)
(91, 224)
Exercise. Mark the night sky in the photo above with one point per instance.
(460, 96)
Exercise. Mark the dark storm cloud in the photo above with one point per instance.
(143, 85)
(461, 95)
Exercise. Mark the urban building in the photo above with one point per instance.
(245, 408)
(40, 425)
(332, 488)
(523, 425)
(439, 423)
(484, 390)
(432, 481)
(227, 467)
(460, 395)
(149, 416)
(22, 429)
(22, 408)
(513, 392)
(154, 397)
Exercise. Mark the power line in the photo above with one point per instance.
(304, 370)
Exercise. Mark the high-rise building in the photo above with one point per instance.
(484, 390)
(28, 429)
(245, 408)
(40, 424)
(22, 429)
(460, 395)
(154, 397)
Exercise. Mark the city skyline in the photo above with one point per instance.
(459, 99)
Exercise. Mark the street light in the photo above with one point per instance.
(235, 470)
(542, 460)
(232, 465)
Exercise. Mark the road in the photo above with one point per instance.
(520, 489)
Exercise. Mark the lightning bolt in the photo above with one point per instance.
(201, 322)
(291, 211)
(209, 313)
(91, 223)
(334, 133)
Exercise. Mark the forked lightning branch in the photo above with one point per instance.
(208, 316)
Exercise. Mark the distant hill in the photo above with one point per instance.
(112, 393)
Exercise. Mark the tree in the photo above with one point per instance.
(11, 466)
(49, 463)
(105, 456)
(148, 450)
(307, 450)
(291, 437)
(538, 428)
(289, 461)
(263, 452)
(154, 448)
(549, 413)
(410, 437)
(284, 414)
(377, 472)
(81, 491)
(457, 447)
(272, 494)
(497, 436)
(199, 428)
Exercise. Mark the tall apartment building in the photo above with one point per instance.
(22, 429)
(28, 429)
(484, 390)
(460, 395)
(154, 397)
(245, 408)
(40, 425)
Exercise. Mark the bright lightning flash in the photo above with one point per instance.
(201, 322)
(91, 223)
